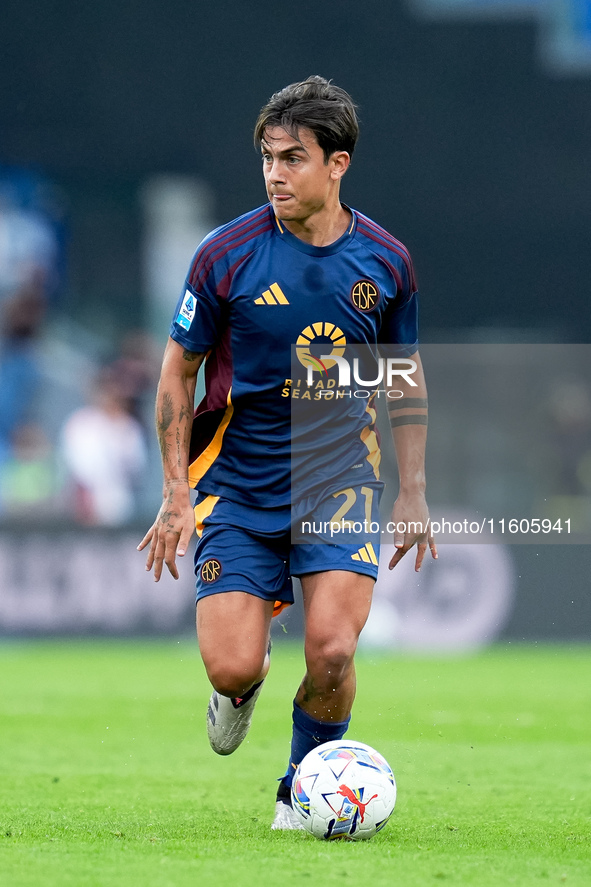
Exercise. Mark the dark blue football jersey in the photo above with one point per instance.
(256, 294)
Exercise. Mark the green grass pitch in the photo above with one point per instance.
(107, 778)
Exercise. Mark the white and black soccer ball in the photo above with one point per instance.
(343, 789)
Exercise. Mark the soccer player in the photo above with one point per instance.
(303, 270)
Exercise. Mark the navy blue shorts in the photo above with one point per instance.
(256, 550)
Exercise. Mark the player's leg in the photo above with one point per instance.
(239, 577)
(233, 635)
(336, 605)
(337, 583)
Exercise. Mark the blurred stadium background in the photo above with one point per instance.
(125, 135)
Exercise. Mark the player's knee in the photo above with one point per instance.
(329, 660)
(234, 678)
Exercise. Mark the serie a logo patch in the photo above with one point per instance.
(187, 310)
(365, 295)
(211, 570)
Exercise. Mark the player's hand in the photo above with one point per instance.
(412, 526)
(171, 532)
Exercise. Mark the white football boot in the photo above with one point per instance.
(285, 819)
(228, 720)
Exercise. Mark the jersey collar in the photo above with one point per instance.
(308, 248)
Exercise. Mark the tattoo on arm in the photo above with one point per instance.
(412, 419)
(190, 355)
(415, 403)
(408, 403)
(163, 422)
(183, 436)
(178, 446)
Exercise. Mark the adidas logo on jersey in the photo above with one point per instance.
(366, 554)
(273, 296)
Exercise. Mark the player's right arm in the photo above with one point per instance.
(170, 533)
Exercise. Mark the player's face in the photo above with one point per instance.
(299, 182)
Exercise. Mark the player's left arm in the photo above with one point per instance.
(407, 410)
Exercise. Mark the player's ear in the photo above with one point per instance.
(339, 163)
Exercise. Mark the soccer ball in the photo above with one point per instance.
(343, 789)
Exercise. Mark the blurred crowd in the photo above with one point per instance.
(73, 442)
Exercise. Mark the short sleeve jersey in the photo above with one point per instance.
(253, 291)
